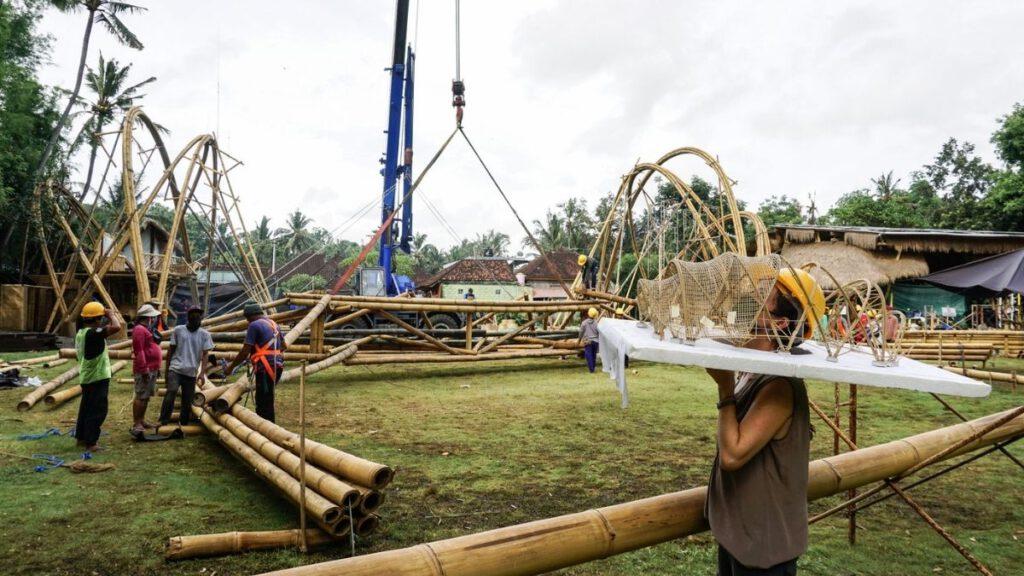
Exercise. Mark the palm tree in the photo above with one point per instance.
(497, 242)
(104, 12)
(551, 234)
(885, 185)
(579, 225)
(295, 234)
(107, 83)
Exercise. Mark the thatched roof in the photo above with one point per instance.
(920, 240)
(848, 263)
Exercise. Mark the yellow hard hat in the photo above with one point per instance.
(620, 311)
(805, 289)
(592, 312)
(92, 310)
(581, 260)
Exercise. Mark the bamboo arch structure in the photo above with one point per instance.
(712, 232)
(195, 181)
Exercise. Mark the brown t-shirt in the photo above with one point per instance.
(759, 512)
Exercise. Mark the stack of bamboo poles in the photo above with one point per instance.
(343, 492)
(546, 545)
(1009, 343)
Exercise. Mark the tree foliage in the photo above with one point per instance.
(28, 112)
(781, 210)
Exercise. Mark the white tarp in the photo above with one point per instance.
(621, 338)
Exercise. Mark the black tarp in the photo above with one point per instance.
(986, 277)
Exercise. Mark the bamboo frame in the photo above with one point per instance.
(55, 399)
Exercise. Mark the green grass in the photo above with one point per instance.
(479, 447)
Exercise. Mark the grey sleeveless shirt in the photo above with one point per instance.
(759, 512)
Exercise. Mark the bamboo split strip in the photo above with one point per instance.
(39, 393)
(554, 543)
(206, 545)
(987, 374)
(327, 515)
(57, 398)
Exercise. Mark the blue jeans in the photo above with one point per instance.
(590, 353)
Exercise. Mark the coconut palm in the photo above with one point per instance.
(550, 234)
(103, 12)
(107, 84)
(296, 235)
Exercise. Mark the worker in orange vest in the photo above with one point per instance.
(264, 348)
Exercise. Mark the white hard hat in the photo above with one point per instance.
(147, 311)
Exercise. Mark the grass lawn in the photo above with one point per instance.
(479, 447)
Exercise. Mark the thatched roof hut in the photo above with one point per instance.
(940, 249)
(848, 263)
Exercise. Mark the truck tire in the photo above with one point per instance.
(446, 321)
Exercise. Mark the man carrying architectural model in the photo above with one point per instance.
(757, 497)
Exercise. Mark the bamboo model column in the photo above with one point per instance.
(554, 543)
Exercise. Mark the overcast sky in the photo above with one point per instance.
(564, 96)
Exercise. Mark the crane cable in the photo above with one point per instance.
(458, 86)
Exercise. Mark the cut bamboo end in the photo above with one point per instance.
(367, 525)
(370, 501)
(341, 527)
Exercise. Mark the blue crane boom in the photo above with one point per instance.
(402, 72)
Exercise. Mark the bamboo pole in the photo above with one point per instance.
(409, 358)
(367, 525)
(292, 335)
(187, 430)
(331, 488)
(350, 467)
(326, 514)
(598, 295)
(987, 374)
(347, 318)
(57, 398)
(206, 545)
(37, 360)
(359, 471)
(461, 306)
(554, 543)
(302, 458)
(207, 395)
(423, 334)
(39, 393)
(227, 398)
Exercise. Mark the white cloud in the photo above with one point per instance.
(563, 96)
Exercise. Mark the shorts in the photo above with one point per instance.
(145, 385)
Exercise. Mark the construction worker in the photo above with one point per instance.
(145, 365)
(757, 498)
(469, 295)
(588, 269)
(263, 348)
(588, 334)
(186, 364)
(93, 371)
